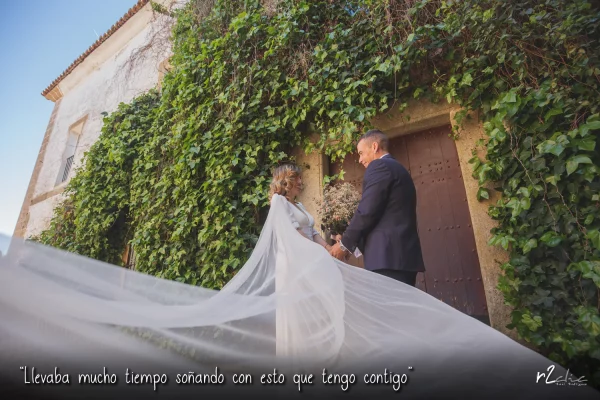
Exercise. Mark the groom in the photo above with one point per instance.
(384, 227)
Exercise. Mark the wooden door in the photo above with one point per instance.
(452, 274)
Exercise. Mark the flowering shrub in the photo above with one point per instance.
(338, 206)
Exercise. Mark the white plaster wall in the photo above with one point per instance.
(40, 215)
(98, 84)
(102, 91)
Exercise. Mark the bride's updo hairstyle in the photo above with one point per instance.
(284, 179)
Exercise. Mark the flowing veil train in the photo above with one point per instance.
(292, 307)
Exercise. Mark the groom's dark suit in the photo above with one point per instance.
(384, 227)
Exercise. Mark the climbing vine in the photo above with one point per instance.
(93, 218)
(182, 175)
(532, 70)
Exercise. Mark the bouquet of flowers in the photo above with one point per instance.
(337, 207)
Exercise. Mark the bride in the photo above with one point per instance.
(292, 309)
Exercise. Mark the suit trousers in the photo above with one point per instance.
(408, 277)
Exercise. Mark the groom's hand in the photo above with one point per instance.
(337, 252)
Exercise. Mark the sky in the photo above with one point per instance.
(39, 39)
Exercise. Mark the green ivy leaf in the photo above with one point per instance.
(483, 193)
(551, 239)
(588, 269)
(586, 144)
(573, 163)
(590, 126)
(531, 244)
(594, 236)
(532, 323)
(550, 146)
(467, 80)
(590, 320)
(553, 112)
(524, 191)
(510, 97)
(553, 179)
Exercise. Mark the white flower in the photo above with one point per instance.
(338, 206)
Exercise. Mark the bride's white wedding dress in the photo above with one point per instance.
(292, 307)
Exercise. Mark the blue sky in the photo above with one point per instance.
(38, 40)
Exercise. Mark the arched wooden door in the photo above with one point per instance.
(453, 273)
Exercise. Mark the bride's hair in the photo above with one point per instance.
(284, 178)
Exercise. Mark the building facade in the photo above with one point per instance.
(111, 71)
(462, 270)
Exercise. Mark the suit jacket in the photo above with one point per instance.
(384, 227)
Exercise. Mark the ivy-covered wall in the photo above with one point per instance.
(183, 174)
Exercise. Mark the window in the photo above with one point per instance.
(69, 152)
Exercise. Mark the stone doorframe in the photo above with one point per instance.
(418, 116)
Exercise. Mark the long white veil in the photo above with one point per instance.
(291, 307)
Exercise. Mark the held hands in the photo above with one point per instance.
(336, 251)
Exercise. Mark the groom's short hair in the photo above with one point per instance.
(375, 135)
